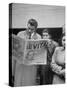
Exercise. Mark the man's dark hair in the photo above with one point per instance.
(45, 31)
(33, 22)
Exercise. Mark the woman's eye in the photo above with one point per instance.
(63, 39)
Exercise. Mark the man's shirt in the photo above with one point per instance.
(24, 35)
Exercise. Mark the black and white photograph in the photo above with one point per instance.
(37, 46)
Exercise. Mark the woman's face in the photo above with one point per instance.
(63, 41)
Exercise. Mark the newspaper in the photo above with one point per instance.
(18, 46)
(29, 52)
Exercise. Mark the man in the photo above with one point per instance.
(26, 75)
(46, 73)
(30, 33)
(51, 43)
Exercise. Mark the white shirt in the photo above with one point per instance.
(24, 35)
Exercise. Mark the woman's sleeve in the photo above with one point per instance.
(62, 72)
(56, 68)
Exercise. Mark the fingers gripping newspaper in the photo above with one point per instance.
(29, 52)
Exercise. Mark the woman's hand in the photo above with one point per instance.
(62, 72)
(56, 68)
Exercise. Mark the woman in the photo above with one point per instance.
(58, 63)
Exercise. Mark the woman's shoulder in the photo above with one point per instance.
(59, 48)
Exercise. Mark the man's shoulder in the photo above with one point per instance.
(55, 43)
(21, 33)
(38, 35)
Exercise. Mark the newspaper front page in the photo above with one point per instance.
(29, 52)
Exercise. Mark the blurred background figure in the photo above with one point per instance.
(46, 74)
(51, 44)
(45, 34)
(58, 63)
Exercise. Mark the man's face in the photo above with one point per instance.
(31, 29)
(46, 35)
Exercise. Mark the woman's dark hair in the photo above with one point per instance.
(62, 35)
(60, 40)
(33, 22)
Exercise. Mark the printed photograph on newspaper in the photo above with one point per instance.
(35, 52)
